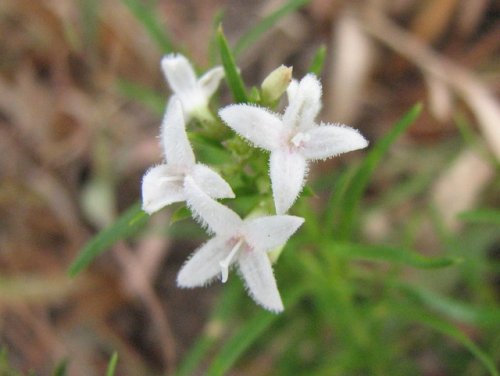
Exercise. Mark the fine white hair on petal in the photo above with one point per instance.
(304, 105)
(288, 171)
(257, 273)
(178, 72)
(270, 232)
(210, 81)
(157, 193)
(174, 139)
(256, 124)
(203, 267)
(215, 216)
(210, 182)
(330, 140)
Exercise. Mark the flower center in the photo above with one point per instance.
(224, 264)
(299, 139)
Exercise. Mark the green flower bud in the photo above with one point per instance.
(275, 84)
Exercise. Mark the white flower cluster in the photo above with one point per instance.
(293, 139)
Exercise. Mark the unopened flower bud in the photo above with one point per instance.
(276, 83)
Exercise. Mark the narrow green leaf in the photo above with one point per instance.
(222, 311)
(213, 55)
(465, 129)
(196, 354)
(460, 311)
(266, 23)
(4, 359)
(152, 99)
(61, 368)
(112, 365)
(208, 152)
(5, 367)
(416, 315)
(180, 214)
(385, 253)
(450, 330)
(233, 77)
(89, 10)
(335, 202)
(318, 61)
(487, 216)
(149, 18)
(125, 226)
(362, 177)
(240, 342)
(246, 336)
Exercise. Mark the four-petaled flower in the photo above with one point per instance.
(236, 241)
(164, 184)
(293, 138)
(194, 93)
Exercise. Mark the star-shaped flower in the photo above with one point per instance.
(292, 138)
(194, 93)
(164, 184)
(236, 241)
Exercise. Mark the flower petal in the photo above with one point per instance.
(288, 171)
(210, 81)
(256, 124)
(211, 182)
(179, 73)
(174, 139)
(292, 90)
(157, 191)
(257, 272)
(304, 104)
(329, 140)
(203, 265)
(270, 232)
(217, 217)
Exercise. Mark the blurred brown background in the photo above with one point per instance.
(74, 146)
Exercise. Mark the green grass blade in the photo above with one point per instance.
(487, 216)
(143, 94)
(148, 17)
(335, 202)
(266, 23)
(246, 336)
(240, 342)
(390, 254)
(213, 55)
(5, 367)
(90, 18)
(125, 226)
(112, 365)
(452, 331)
(233, 77)
(196, 354)
(61, 369)
(458, 311)
(318, 61)
(416, 315)
(350, 202)
(223, 310)
(4, 359)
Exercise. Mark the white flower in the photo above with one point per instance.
(164, 184)
(194, 93)
(236, 241)
(292, 138)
